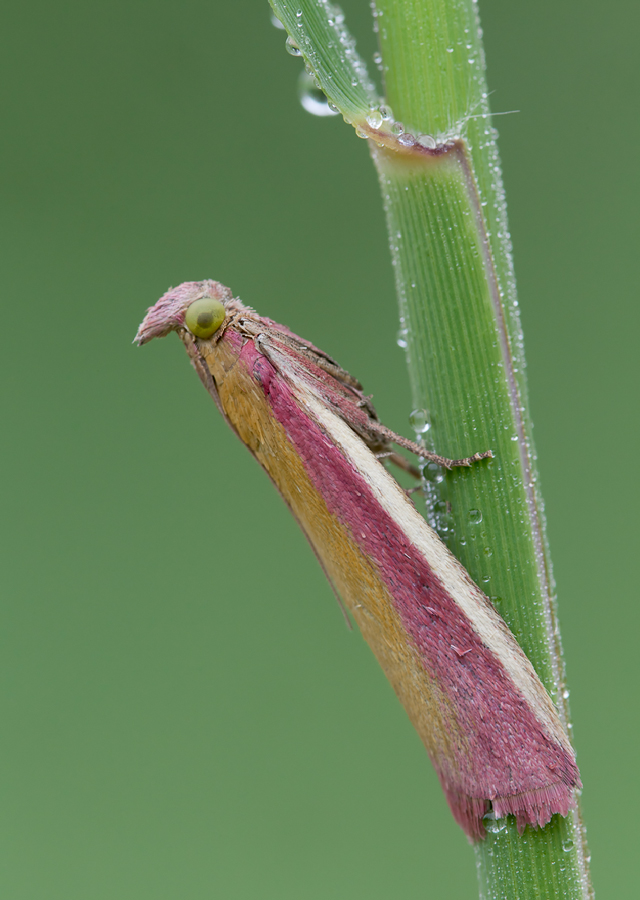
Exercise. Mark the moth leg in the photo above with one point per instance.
(443, 461)
(398, 460)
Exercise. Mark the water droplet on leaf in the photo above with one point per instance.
(433, 473)
(427, 141)
(420, 421)
(313, 98)
(374, 119)
(292, 48)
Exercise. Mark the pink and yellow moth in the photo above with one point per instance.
(487, 722)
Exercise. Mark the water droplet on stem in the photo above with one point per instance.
(420, 421)
(313, 98)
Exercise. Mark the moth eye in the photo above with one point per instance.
(204, 317)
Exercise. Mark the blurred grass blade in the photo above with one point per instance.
(316, 31)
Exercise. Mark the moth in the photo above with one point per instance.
(487, 722)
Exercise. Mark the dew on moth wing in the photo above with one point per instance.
(313, 98)
(420, 421)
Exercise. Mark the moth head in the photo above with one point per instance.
(199, 306)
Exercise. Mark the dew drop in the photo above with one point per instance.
(313, 98)
(433, 473)
(275, 21)
(427, 141)
(406, 139)
(420, 421)
(397, 128)
(401, 339)
(493, 825)
(566, 694)
(567, 845)
(386, 113)
(488, 552)
(475, 516)
(374, 119)
(292, 48)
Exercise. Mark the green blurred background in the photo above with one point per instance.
(185, 714)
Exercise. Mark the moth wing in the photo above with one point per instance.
(299, 362)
